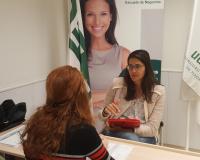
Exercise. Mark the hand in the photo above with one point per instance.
(111, 109)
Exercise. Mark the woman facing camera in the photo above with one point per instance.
(136, 95)
(106, 58)
(63, 125)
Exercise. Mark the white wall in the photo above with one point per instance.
(33, 94)
(177, 20)
(32, 41)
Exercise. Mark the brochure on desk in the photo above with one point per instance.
(119, 151)
(12, 138)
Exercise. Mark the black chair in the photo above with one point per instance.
(160, 134)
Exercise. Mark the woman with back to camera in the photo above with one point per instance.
(139, 96)
(62, 127)
(106, 58)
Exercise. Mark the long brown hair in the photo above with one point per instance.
(66, 104)
(148, 81)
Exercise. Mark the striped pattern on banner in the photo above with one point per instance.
(78, 56)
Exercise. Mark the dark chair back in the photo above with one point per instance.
(156, 66)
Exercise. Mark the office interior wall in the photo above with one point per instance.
(177, 21)
(33, 41)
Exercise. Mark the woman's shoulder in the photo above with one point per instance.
(83, 129)
(159, 89)
(82, 126)
(118, 82)
(125, 50)
(124, 53)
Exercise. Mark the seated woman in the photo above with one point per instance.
(136, 95)
(62, 127)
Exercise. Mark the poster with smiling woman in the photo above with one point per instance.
(112, 30)
(106, 57)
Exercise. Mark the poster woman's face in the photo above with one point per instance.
(97, 17)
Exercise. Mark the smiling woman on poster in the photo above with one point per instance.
(106, 58)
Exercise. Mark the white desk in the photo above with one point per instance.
(139, 151)
(7, 149)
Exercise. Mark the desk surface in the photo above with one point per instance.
(16, 151)
(139, 151)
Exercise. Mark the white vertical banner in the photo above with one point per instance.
(198, 112)
(191, 72)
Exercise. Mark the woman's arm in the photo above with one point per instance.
(125, 53)
(150, 128)
(112, 100)
(108, 100)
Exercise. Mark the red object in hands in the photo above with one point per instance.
(124, 123)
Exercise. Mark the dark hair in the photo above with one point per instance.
(148, 81)
(110, 34)
(66, 104)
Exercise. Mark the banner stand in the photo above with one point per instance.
(188, 127)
